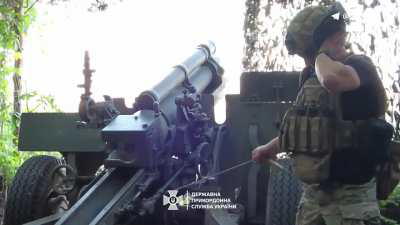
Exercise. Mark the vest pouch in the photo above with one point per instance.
(287, 139)
(326, 135)
(315, 130)
(291, 136)
(312, 164)
(375, 138)
(283, 136)
(311, 169)
(302, 125)
(345, 135)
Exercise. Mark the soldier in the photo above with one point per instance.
(328, 131)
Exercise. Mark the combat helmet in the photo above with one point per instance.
(300, 38)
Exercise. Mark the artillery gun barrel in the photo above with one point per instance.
(182, 71)
(200, 69)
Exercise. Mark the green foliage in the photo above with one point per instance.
(389, 208)
(10, 157)
(387, 221)
(15, 18)
(393, 198)
(35, 102)
(7, 147)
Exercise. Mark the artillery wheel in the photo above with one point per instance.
(31, 195)
(284, 192)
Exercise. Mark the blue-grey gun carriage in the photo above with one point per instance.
(118, 163)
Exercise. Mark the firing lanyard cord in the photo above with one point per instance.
(273, 162)
(215, 175)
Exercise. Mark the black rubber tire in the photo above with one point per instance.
(284, 192)
(28, 193)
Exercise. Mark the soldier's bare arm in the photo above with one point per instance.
(334, 75)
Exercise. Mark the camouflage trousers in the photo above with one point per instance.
(341, 205)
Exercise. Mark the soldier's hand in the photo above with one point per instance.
(257, 154)
(262, 153)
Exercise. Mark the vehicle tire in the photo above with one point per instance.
(284, 192)
(30, 190)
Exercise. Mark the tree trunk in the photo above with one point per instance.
(18, 65)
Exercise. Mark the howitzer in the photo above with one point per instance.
(132, 165)
(167, 139)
